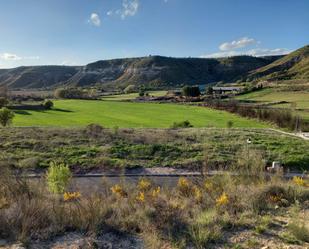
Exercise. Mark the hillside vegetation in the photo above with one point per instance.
(154, 71)
(292, 66)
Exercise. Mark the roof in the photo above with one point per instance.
(226, 88)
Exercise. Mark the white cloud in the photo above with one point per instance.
(240, 43)
(129, 8)
(95, 19)
(10, 57)
(15, 57)
(253, 52)
(265, 51)
(220, 54)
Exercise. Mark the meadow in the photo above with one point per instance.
(130, 96)
(301, 98)
(77, 113)
(94, 148)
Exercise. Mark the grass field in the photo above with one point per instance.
(269, 95)
(129, 96)
(124, 114)
(272, 95)
(33, 148)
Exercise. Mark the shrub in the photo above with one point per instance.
(229, 124)
(94, 130)
(58, 177)
(48, 104)
(182, 124)
(72, 93)
(191, 91)
(141, 93)
(3, 102)
(6, 116)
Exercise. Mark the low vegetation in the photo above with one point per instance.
(6, 116)
(94, 147)
(198, 213)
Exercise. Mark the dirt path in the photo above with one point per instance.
(303, 135)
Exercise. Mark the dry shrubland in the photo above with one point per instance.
(195, 212)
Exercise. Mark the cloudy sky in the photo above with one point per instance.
(76, 32)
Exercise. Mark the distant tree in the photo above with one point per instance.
(48, 104)
(141, 93)
(3, 102)
(191, 91)
(209, 90)
(6, 116)
(70, 93)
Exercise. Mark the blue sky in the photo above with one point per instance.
(76, 32)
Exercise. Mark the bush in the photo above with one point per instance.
(6, 116)
(182, 124)
(71, 93)
(229, 124)
(3, 102)
(48, 104)
(94, 130)
(58, 177)
(191, 91)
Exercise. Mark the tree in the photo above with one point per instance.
(191, 91)
(48, 104)
(209, 90)
(3, 102)
(58, 177)
(141, 93)
(6, 116)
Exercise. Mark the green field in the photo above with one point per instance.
(130, 96)
(271, 95)
(301, 98)
(68, 113)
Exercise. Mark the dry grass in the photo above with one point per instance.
(190, 214)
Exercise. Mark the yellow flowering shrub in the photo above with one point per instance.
(208, 186)
(71, 196)
(197, 193)
(140, 197)
(222, 200)
(299, 181)
(184, 186)
(155, 192)
(118, 191)
(144, 185)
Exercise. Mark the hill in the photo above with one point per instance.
(292, 66)
(154, 71)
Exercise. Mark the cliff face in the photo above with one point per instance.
(155, 71)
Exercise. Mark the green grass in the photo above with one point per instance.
(69, 113)
(34, 148)
(272, 95)
(130, 96)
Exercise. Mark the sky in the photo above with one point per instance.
(77, 32)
